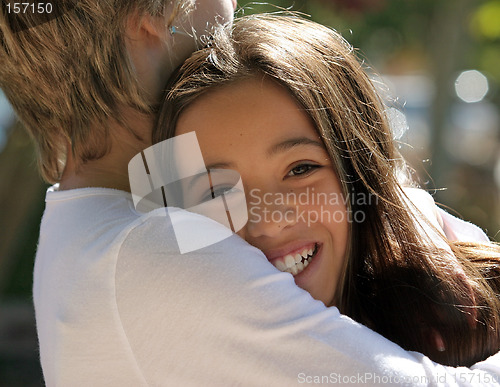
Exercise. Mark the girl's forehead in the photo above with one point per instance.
(252, 105)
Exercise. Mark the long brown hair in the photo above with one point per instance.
(397, 281)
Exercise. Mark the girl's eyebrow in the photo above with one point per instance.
(273, 150)
(291, 143)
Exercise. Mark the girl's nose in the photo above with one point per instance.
(269, 217)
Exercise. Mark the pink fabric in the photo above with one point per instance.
(459, 230)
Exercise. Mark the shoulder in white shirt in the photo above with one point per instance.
(118, 305)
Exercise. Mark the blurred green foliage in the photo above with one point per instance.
(386, 29)
(485, 28)
(486, 20)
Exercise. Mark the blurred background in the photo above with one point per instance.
(438, 65)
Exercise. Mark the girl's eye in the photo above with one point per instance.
(302, 169)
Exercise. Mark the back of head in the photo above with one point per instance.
(66, 75)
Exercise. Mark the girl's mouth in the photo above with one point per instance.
(295, 263)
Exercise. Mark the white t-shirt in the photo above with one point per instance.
(118, 305)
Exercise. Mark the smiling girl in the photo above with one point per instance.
(285, 103)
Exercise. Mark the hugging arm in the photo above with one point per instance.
(224, 315)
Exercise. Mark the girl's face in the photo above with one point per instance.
(297, 213)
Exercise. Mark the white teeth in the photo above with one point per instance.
(280, 265)
(289, 261)
(294, 264)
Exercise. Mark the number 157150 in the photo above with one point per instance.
(29, 8)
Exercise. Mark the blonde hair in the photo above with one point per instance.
(396, 281)
(68, 76)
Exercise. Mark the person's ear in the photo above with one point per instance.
(149, 46)
(143, 26)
